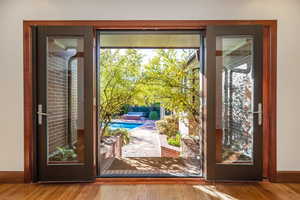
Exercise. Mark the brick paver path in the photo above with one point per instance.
(144, 142)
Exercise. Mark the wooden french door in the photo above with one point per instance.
(233, 103)
(65, 105)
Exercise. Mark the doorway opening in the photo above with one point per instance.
(230, 154)
(149, 99)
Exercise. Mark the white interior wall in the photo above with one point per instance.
(13, 12)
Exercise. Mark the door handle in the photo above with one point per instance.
(40, 114)
(259, 112)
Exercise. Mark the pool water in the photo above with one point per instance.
(128, 126)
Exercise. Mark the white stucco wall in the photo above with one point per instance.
(183, 123)
(13, 12)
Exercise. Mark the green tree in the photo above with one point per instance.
(173, 82)
(119, 75)
(167, 79)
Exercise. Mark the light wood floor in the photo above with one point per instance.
(224, 191)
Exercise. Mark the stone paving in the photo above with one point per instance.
(144, 142)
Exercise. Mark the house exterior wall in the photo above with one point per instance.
(13, 12)
(58, 101)
(183, 124)
(57, 88)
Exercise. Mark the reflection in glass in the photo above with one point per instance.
(234, 97)
(65, 100)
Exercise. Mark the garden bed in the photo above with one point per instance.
(168, 150)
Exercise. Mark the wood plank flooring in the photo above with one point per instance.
(223, 191)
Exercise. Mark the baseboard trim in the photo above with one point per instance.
(11, 177)
(281, 177)
(288, 177)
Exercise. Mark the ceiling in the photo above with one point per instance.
(149, 39)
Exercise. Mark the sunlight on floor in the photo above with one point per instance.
(212, 191)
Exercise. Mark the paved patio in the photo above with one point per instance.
(142, 157)
(144, 142)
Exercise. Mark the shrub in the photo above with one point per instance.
(64, 154)
(122, 132)
(168, 126)
(174, 141)
(153, 115)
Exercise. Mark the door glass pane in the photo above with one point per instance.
(65, 100)
(234, 99)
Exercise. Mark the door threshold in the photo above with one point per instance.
(127, 181)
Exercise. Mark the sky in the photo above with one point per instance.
(150, 53)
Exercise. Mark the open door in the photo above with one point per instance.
(65, 105)
(233, 103)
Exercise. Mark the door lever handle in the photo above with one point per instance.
(259, 112)
(43, 114)
(40, 114)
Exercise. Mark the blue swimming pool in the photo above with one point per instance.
(128, 126)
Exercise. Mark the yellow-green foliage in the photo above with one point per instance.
(174, 141)
(168, 126)
(122, 132)
(166, 78)
(119, 76)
